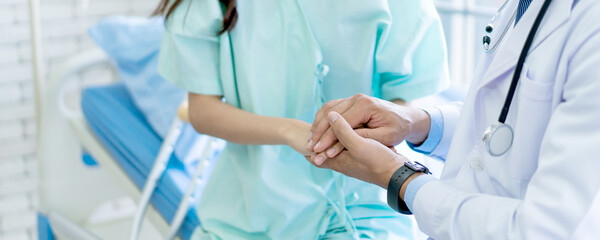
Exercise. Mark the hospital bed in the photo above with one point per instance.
(127, 158)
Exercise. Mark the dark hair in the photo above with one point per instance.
(229, 17)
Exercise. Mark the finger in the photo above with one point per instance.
(337, 164)
(334, 150)
(322, 113)
(356, 115)
(310, 160)
(343, 131)
(321, 124)
(319, 159)
(326, 141)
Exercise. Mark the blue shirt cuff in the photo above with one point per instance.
(436, 131)
(413, 188)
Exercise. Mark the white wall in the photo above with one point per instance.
(64, 33)
(464, 22)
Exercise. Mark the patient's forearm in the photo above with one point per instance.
(209, 115)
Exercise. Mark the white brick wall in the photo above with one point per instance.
(64, 32)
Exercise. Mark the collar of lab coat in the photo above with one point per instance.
(509, 51)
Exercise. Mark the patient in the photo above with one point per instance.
(275, 62)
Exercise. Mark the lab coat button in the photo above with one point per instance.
(322, 70)
(476, 164)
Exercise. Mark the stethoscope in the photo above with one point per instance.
(490, 28)
(498, 138)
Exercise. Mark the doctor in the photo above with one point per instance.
(530, 171)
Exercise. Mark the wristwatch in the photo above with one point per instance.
(399, 177)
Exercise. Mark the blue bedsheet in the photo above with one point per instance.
(126, 134)
(133, 43)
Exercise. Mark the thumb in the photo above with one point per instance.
(342, 130)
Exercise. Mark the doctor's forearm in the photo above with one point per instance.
(421, 123)
(210, 116)
(420, 127)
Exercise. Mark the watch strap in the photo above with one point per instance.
(399, 177)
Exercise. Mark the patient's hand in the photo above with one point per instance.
(296, 133)
(364, 158)
(371, 118)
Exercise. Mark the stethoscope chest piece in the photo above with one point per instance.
(498, 138)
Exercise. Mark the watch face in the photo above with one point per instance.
(415, 166)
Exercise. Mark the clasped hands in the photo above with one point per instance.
(356, 136)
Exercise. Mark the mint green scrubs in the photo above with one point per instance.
(285, 59)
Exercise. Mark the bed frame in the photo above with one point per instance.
(69, 190)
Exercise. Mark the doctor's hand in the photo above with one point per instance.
(363, 158)
(372, 118)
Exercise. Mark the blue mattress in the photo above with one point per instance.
(125, 133)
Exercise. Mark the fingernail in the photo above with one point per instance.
(332, 117)
(317, 146)
(319, 160)
(309, 136)
(330, 152)
(309, 144)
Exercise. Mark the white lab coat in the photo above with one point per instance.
(589, 228)
(544, 186)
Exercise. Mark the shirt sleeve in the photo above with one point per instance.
(434, 136)
(411, 54)
(413, 188)
(189, 55)
(443, 122)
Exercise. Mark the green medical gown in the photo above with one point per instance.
(285, 58)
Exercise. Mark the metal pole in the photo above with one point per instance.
(37, 63)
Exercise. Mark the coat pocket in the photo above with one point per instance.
(534, 90)
(532, 110)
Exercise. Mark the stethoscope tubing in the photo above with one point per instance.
(521, 61)
(501, 9)
(487, 38)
